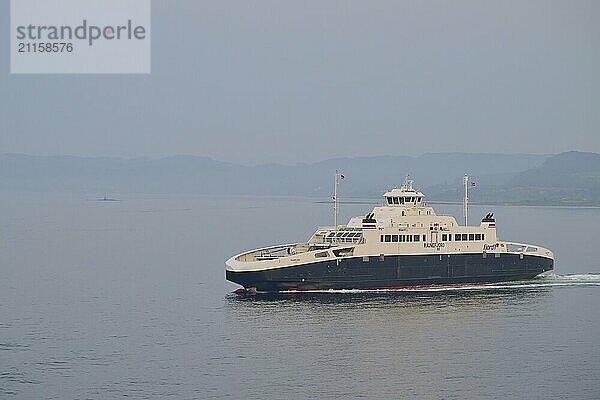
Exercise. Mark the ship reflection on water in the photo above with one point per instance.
(463, 297)
(505, 290)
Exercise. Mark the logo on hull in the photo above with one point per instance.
(487, 247)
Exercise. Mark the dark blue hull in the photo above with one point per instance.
(396, 272)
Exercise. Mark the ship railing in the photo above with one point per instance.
(274, 252)
(514, 247)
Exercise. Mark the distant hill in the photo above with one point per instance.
(365, 176)
(571, 178)
(563, 170)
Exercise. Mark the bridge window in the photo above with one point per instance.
(394, 238)
(482, 236)
(381, 238)
(457, 237)
(415, 238)
(401, 200)
(388, 238)
(321, 255)
(395, 200)
(423, 237)
(344, 252)
(409, 237)
(444, 237)
(478, 236)
(464, 236)
(389, 200)
(471, 236)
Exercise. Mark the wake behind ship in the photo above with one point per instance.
(401, 244)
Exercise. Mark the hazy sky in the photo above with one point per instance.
(288, 81)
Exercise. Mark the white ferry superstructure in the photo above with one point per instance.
(401, 244)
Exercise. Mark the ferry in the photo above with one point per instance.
(401, 244)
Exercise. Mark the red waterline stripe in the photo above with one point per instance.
(443, 285)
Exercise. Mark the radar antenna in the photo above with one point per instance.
(407, 185)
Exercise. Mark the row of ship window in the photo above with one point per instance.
(343, 237)
(401, 238)
(402, 200)
(446, 237)
(343, 234)
(458, 237)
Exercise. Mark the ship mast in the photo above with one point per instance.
(466, 200)
(335, 199)
(336, 204)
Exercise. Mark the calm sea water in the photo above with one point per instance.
(103, 300)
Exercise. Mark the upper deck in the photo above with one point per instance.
(404, 196)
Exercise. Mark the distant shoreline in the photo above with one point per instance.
(570, 179)
(475, 203)
(128, 196)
